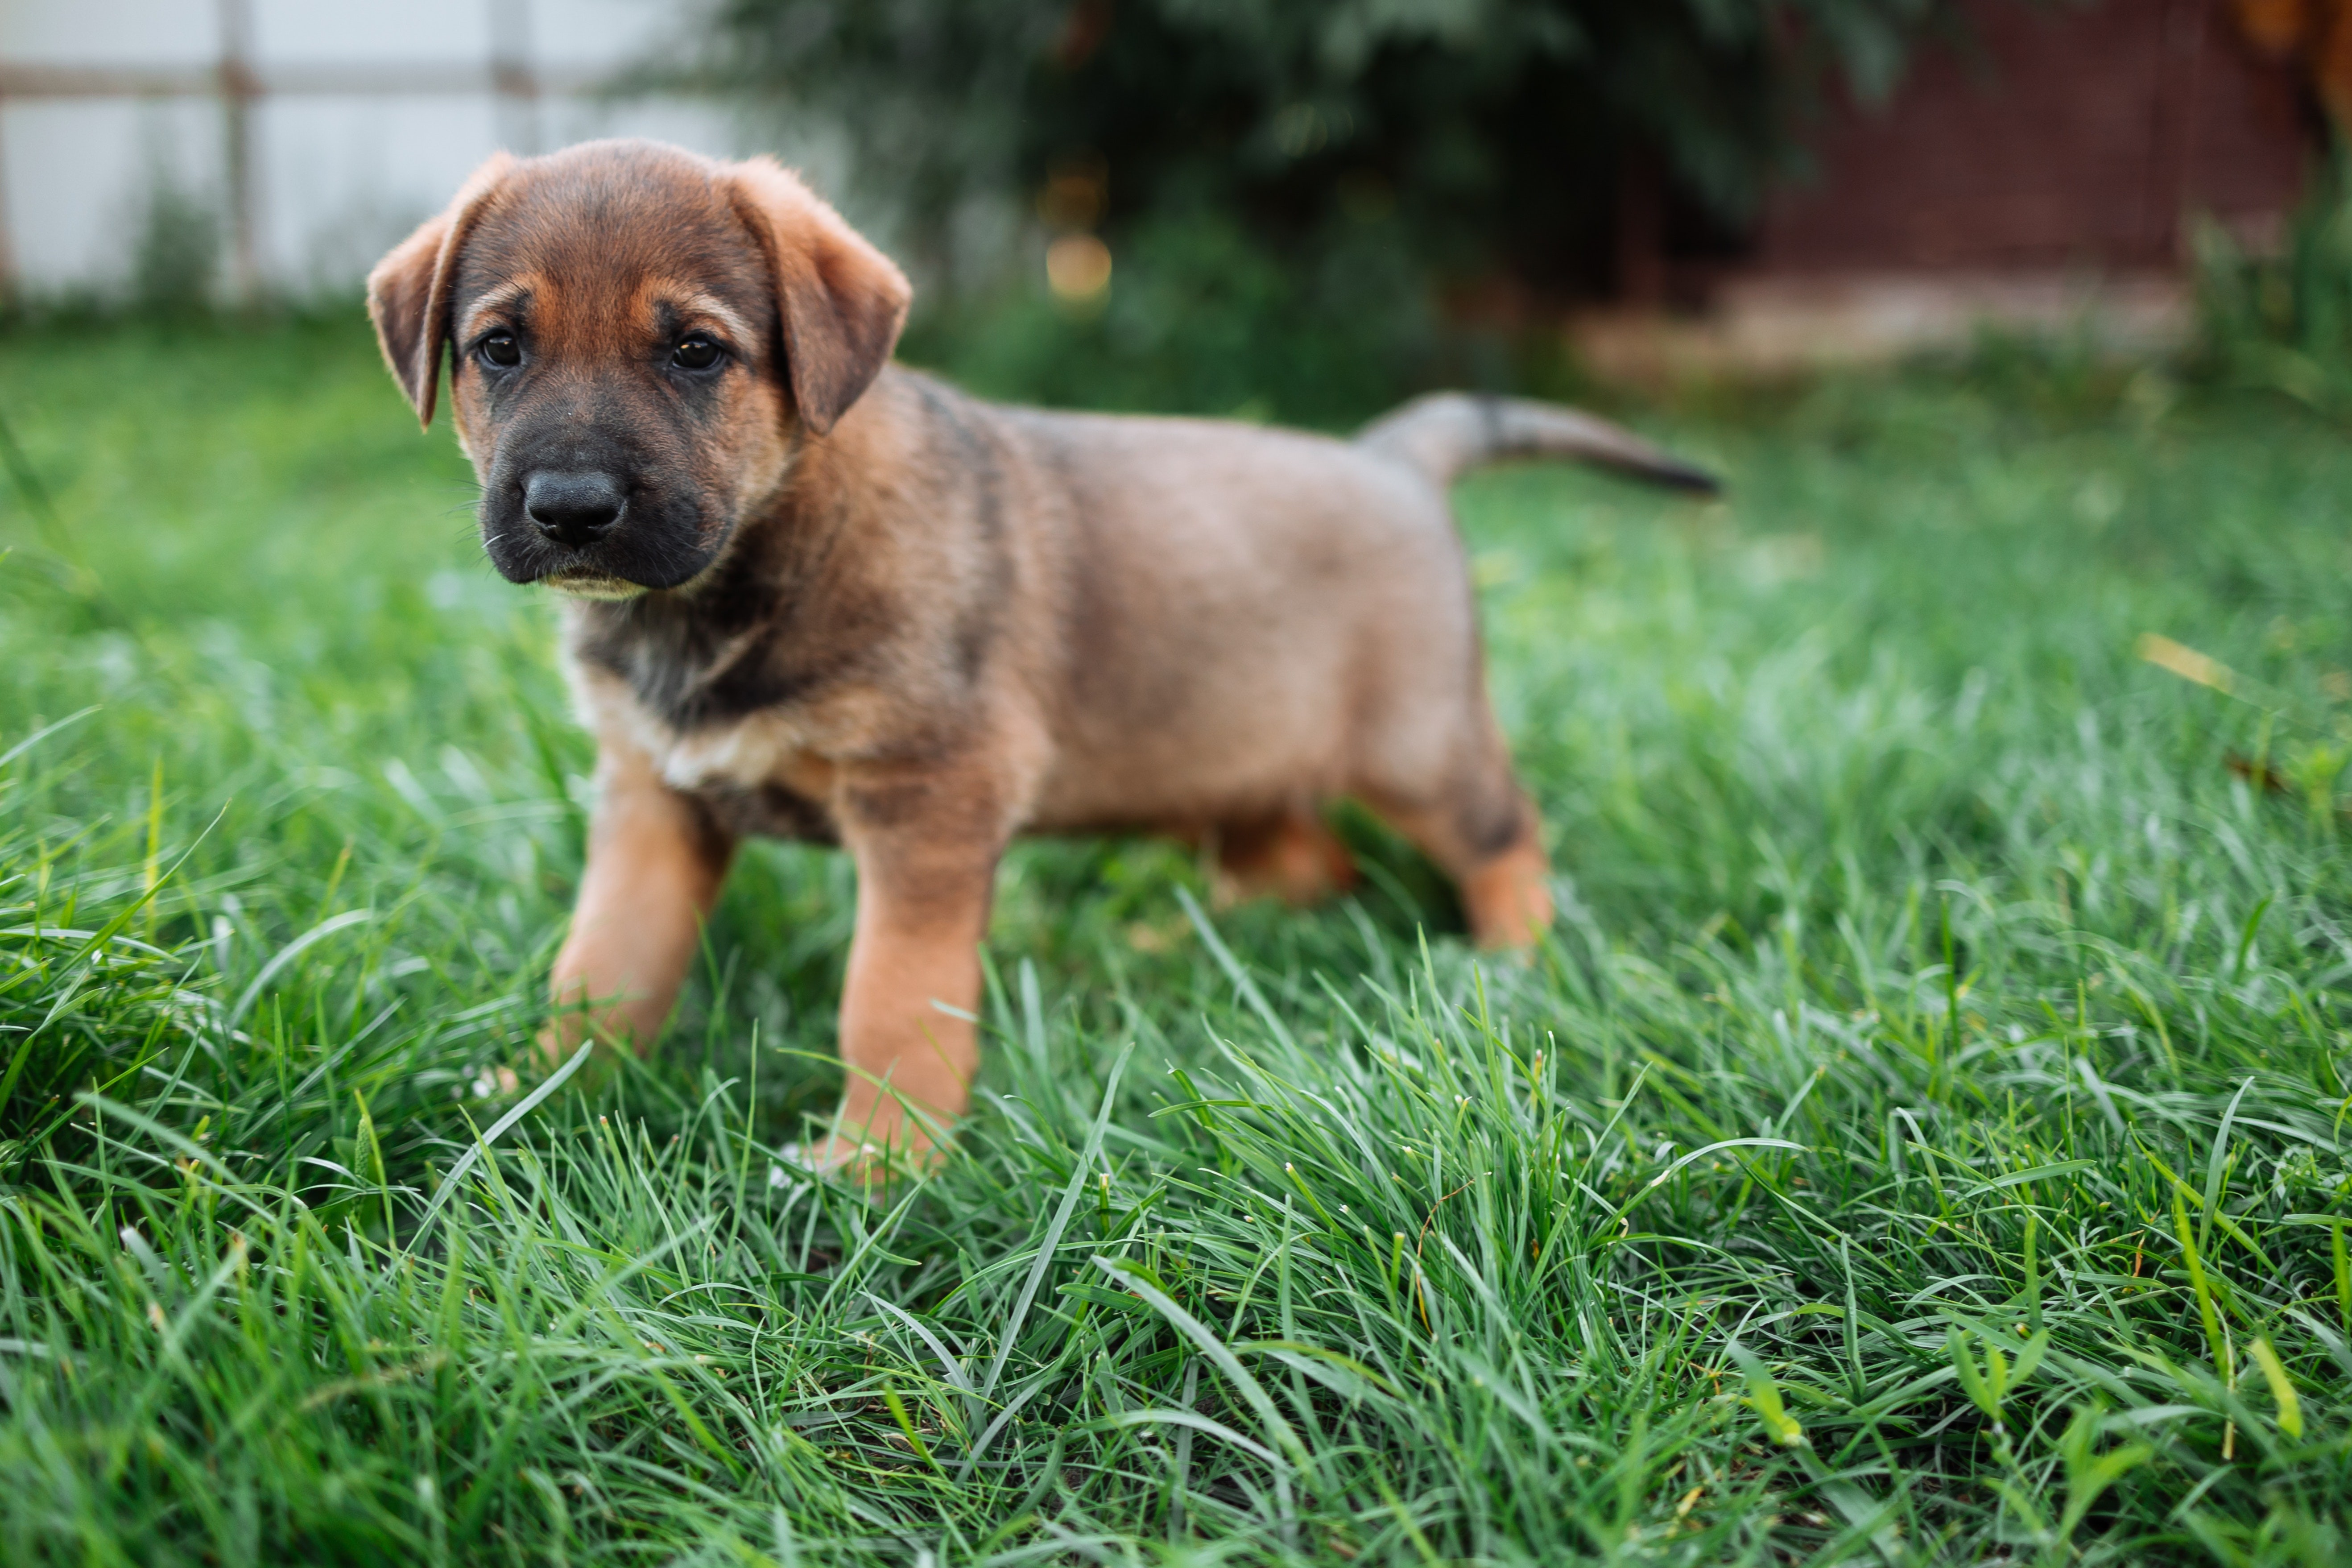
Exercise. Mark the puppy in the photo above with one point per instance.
(814, 595)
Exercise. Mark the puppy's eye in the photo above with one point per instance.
(698, 352)
(501, 350)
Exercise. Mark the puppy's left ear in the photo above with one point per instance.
(408, 292)
(842, 301)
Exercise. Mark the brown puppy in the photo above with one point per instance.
(820, 596)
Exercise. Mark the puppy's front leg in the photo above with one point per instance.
(654, 863)
(923, 892)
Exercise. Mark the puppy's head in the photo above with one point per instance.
(637, 336)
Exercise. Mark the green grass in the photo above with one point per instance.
(1923, 1143)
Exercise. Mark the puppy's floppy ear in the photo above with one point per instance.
(408, 292)
(843, 301)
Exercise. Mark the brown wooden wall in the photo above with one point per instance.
(2066, 136)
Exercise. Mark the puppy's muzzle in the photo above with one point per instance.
(574, 507)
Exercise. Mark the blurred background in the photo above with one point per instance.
(1303, 209)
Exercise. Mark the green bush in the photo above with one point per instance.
(1202, 321)
(2284, 322)
(175, 261)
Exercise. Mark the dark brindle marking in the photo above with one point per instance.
(818, 595)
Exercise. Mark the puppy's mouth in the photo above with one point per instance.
(632, 562)
(580, 583)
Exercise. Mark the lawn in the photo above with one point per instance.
(1922, 1142)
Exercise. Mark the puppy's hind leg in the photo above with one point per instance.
(1483, 832)
(1291, 855)
(1509, 896)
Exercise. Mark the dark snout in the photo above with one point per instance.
(572, 500)
(574, 507)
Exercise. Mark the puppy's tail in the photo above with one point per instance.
(1445, 434)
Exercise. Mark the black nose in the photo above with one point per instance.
(574, 507)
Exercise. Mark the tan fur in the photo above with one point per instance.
(408, 291)
(655, 864)
(917, 624)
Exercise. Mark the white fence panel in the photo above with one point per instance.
(312, 132)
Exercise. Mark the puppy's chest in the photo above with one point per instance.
(755, 777)
(761, 772)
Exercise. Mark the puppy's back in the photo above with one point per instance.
(1239, 604)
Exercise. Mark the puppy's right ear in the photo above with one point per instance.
(408, 292)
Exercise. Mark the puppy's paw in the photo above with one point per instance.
(824, 1158)
(889, 1143)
